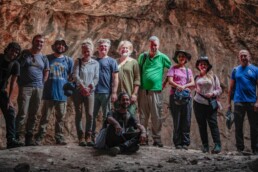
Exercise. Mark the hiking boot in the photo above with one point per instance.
(179, 147)
(216, 149)
(89, 141)
(29, 141)
(185, 147)
(159, 144)
(14, 143)
(114, 151)
(82, 142)
(61, 142)
(205, 149)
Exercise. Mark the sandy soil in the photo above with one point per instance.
(72, 158)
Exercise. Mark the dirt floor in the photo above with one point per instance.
(72, 158)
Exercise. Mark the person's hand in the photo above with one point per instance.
(180, 88)
(133, 98)
(256, 107)
(209, 95)
(118, 128)
(229, 106)
(113, 97)
(85, 91)
(9, 104)
(143, 137)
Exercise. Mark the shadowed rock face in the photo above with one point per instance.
(218, 29)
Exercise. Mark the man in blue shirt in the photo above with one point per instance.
(244, 77)
(106, 88)
(34, 68)
(60, 68)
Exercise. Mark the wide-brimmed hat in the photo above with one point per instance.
(187, 55)
(57, 41)
(203, 58)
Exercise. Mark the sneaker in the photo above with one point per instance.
(216, 149)
(159, 144)
(205, 149)
(114, 151)
(61, 142)
(185, 147)
(14, 143)
(178, 147)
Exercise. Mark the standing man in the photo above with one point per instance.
(61, 68)
(108, 82)
(9, 67)
(34, 68)
(152, 64)
(245, 79)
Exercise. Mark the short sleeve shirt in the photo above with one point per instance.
(5, 73)
(152, 70)
(32, 69)
(179, 75)
(59, 70)
(127, 123)
(245, 83)
(107, 66)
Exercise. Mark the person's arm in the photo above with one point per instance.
(256, 103)
(114, 86)
(173, 84)
(190, 84)
(76, 76)
(111, 120)
(143, 133)
(134, 94)
(231, 86)
(13, 84)
(46, 69)
(137, 82)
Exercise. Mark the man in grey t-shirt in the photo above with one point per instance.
(34, 68)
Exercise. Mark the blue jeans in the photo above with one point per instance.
(181, 115)
(239, 112)
(100, 100)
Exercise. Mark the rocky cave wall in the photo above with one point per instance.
(216, 28)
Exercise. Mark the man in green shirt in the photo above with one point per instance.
(152, 64)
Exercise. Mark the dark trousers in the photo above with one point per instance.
(204, 114)
(124, 140)
(181, 115)
(239, 112)
(9, 115)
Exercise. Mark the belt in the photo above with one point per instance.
(149, 91)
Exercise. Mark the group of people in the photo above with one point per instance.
(140, 83)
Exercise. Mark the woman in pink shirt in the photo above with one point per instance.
(181, 78)
(207, 88)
